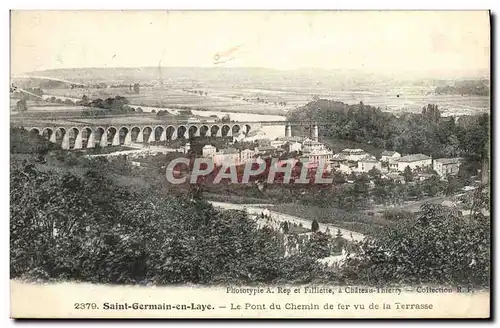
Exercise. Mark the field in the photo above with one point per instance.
(278, 100)
(226, 100)
(354, 221)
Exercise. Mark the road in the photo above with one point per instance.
(253, 209)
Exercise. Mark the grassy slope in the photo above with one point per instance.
(355, 221)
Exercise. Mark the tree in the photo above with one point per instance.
(456, 252)
(85, 100)
(432, 186)
(136, 87)
(408, 174)
(318, 245)
(314, 226)
(21, 105)
(285, 227)
(339, 241)
(374, 173)
(452, 147)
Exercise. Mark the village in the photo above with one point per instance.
(391, 164)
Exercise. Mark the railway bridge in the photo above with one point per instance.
(76, 134)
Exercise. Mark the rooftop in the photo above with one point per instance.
(388, 153)
(312, 142)
(339, 157)
(266, 148)
(319, 152)
(369, 158)
(414, 158)
(353, 151)
(394, 176)
(291, 139)
(448, 160)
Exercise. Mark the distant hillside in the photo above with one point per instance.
(219, 77)
(304, 80)
(153, 73)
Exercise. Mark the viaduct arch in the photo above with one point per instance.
(87, 136)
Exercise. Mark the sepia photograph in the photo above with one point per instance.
(250, 164)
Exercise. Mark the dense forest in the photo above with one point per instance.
(79, 222)
(427, 132)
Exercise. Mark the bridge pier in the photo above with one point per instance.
(104, 140)
(288, 131)
(163, 136)
(65, 141)
(128, 138)
(140, 138)
(91, 140)
(78, 141)
(53, 137)
(116, 139)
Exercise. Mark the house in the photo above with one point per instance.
(347, 167)
(319, 156)
(413, 161)
(367, 163)
(395, 177)
(294, 146)
(423, 176)
(208, 151)
(263, 142)
(445, 166)
(277, 143)
(316, 156)
(228, 156)
(309, 146)
(338, 159)
(265, 150)
(388, 155)
(246, 155)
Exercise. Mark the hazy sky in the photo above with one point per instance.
(374, 41)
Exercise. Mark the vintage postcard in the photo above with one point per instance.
(250, 164)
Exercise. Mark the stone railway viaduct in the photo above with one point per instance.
(81, 135)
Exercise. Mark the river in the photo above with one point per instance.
(272, 131)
